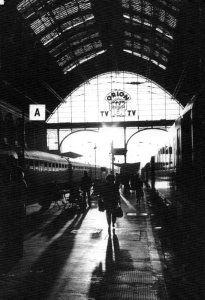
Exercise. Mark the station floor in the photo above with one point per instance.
(71, 255)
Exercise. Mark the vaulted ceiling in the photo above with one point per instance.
(49, 47)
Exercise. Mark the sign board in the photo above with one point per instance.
(119, 151)
(37, 112)
(117, 100)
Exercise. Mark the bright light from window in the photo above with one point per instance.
(99, 101)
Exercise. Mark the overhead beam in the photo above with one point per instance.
(154, 123)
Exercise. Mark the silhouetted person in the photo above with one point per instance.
(86, 183)
(126, 180)
(117, 180)
(4, 206)
(17, 210)
(111, 198)
(138, 187)
(111, 177)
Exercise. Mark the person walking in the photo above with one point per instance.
(86, 183)
(111, 177)
(111, 199)
(138, 186)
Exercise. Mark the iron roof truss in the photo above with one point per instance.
(72, 33)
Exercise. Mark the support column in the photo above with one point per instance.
(125, 146)
(112, 153)
(58, 138)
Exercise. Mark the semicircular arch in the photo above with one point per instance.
(73, 132)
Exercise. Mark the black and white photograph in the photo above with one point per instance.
(102, 149)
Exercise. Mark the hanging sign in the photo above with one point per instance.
(117, 100)
(37, 112)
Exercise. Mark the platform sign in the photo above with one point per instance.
(37, 112)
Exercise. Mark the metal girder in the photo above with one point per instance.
(153, 123)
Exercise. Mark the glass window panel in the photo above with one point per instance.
(89, 103)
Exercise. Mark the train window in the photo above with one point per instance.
(31, 165)
(41, 167)
(36, 165)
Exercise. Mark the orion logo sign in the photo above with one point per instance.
(117, 100)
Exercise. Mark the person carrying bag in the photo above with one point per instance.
(118, 213)
(111, 200)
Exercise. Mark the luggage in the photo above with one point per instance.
(101, 205)
(118, 213)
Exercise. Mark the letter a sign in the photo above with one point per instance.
(37, 112)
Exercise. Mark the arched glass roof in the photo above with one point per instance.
(117, 96)
(75, 31)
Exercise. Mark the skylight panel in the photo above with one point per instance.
(137, 45)
(58, 49)
(145, 57)
(171, 21)
(154, 61)
(131, 52)
(164, 57)
(84, 4)
(127, 34)
(125, 3)
(137, 19)
(90, 56)
(38, 26)
(162, 66)
(51, 36)
(71, 7)
(126, 16)
(137, 5)
(86, 38)
(78, 51)
(147, 8)
(88, 47)
(97, 44)
(156, 53)
(69, 68)
(60, 13)
(64, 60)
(22, 6)
(162, 14)
(146, 49)
(81, 61)
(128, 43)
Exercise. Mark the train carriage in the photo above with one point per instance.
(44, 171)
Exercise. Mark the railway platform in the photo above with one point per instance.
(71, 255)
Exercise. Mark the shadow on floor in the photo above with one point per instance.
(42, 275)
(114, 262)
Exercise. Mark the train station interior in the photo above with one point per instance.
(107, 90)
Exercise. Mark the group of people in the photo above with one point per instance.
(13, 194)
(109, 192)
(111, 196)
